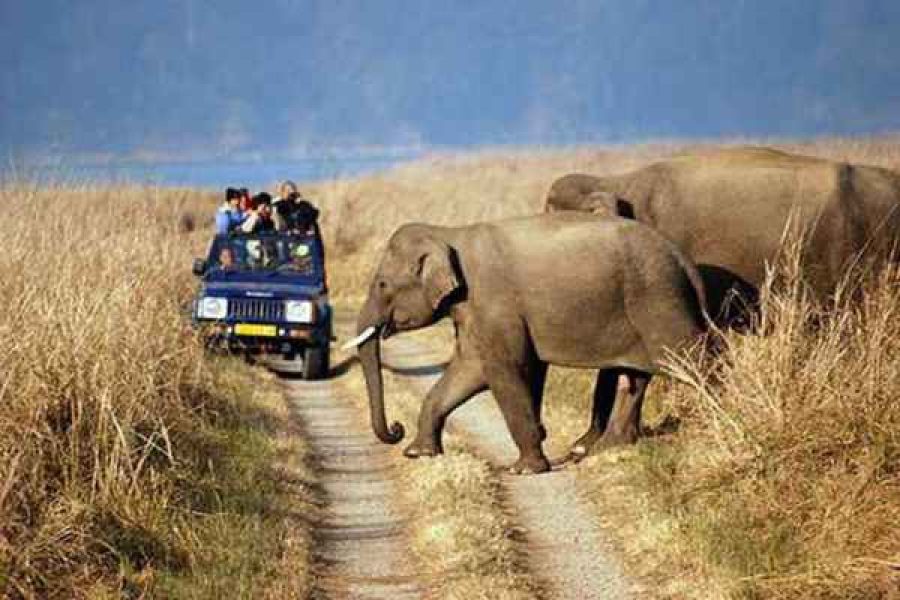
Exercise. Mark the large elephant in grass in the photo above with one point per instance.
(561, 289)
(728, 211)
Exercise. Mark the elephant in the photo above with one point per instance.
(729, 209)
(595, 292)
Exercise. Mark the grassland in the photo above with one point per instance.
(131, 463)
(783, 477)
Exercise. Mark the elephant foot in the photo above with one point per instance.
(529, 466)
(585, 445)
(593, 443)
(562, 461)
(417, 449)
(619, 438)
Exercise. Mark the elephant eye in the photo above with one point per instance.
(382, 284)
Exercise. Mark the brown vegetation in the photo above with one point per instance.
(130, 461)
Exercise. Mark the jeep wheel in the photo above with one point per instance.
(315, 363)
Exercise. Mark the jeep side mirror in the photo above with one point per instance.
(199, 267)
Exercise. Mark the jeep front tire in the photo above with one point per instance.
(315, 362)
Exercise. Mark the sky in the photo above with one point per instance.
(227, 78)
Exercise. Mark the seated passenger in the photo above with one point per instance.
(254, 254)
(260, 255)
(229, 215)
(301, 261)
(226, 258)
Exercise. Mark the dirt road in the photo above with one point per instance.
(361, 547)
(362, 538)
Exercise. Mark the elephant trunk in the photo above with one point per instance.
(370, 356)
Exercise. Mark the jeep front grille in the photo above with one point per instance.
(256, 310)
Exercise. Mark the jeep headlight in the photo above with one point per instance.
(298, 311)
(211, 307)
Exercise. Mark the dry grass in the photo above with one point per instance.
(785, 482)
(130, 462)
(784, 478)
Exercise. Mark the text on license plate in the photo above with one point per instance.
(252, 329)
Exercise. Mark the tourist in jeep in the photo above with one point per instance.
(229, 215)
(292, 212)
(259, 220)
(226, 258)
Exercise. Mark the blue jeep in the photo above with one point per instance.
(265, 293)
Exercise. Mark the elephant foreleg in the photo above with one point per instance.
(461, 380)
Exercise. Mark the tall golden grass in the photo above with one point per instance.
(784, 478)
(130, 462)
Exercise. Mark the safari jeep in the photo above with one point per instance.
(265, 294)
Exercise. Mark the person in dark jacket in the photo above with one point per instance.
(260, 218)
(292, 212)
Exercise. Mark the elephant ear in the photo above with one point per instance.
(438, 274)
(609, 204)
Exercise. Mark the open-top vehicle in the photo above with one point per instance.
(266, 293)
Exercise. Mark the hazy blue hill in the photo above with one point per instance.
(226, 76)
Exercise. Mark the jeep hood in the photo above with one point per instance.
(265, 284)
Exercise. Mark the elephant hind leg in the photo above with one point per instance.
(605, 390)
(624, 426)
(616, 415)
(513, 390)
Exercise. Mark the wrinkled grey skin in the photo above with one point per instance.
(727, 210)
(563, 289)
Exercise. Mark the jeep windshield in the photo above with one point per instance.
(260, 253)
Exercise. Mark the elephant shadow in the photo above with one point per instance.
(731, 301)
(422, 370)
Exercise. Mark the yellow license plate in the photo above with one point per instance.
(258, 330)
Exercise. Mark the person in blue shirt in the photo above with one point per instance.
(229, 216)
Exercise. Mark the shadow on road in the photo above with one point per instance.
(418, 371)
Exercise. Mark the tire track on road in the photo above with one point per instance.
(361, 540)
(566, 549)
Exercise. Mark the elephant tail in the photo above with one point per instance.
(700, 305)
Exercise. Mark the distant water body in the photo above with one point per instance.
(212, 175)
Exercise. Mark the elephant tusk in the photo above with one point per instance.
(362, 337)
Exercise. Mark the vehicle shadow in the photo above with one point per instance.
(336, 370)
